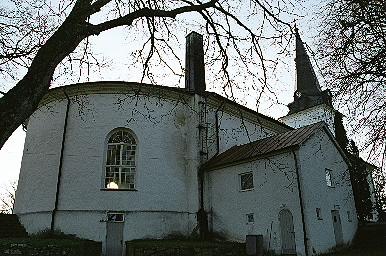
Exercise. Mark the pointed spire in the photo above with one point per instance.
(306, 81)
(308, 92)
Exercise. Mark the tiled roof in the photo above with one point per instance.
(262, 147)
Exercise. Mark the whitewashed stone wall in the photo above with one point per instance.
(275, 189)
(166, 199)
(310, 116)
(315, 155)
(235, 127)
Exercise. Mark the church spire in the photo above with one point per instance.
(308, 93)
(306, 81)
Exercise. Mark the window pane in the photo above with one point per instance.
(328, 178)
(116, 137)
(113, 155)
(246, 180)
(128, 138)
(250, 218)
(120, 160)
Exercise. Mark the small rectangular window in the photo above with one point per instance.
(329, 178)
(319, 213)
(250, 218)
(115, 217)
(246, 181)
(349, 218)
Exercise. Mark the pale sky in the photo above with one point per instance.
(112, 45)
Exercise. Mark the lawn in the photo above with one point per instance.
(358, 252)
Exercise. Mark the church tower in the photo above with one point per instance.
(311, 104)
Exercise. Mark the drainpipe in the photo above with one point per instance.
(217, 133)
(60, 163)
(301, 203)
(202, 215)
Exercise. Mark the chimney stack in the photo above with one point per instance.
(194, 64)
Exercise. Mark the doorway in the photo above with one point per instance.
(114, 234)
(337, 227)
(288, 244)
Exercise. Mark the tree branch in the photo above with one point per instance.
(147, 12)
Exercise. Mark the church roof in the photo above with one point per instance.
(148, 89)
(259, 148)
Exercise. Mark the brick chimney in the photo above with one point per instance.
(194, 64)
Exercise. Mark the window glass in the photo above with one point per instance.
(115, 217)
(250, 218)
(120, 161)
(246, 181)
(349, 216)
(319, 214)
(329, 177)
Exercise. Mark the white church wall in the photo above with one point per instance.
(146, 224)
(315, 155)
(38, 175)
(234, 126)
(236, 130)
(166, 165)
(275, 189)
(310, 116)
(35, 221)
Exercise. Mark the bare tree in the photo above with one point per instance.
(7, 198)
(353, 50)
(38, 36)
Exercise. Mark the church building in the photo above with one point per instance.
(116, 161)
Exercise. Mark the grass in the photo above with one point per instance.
(45, 238)
(178, 243)
(40, 243)
(357, 252)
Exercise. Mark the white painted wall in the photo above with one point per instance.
(235, 127)
(316, 154)
(40, 162)
(167, 160)
(275, 188)
(310, 116)
(168, 156)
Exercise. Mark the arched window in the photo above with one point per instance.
(120, 161)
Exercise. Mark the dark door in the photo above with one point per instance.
(288, 245)
(337, 227)
(114, 234)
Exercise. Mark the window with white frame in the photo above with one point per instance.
(120, 161)
(329, 178)
(349, 218)
(246, 181)
(250, 218)
(319, 213)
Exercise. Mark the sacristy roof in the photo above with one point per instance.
(242, 153)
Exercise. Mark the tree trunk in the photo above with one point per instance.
(23, 99)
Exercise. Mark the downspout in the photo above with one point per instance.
(217, 133)
(60, 163)
(305, 239)
(202, 215)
